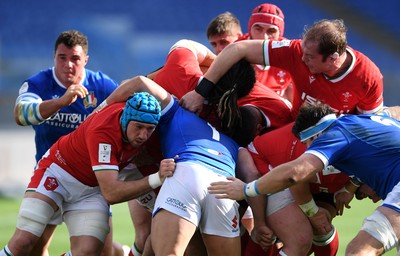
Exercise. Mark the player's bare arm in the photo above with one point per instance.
(49, 107)
(193, 100)
(393, 112)
(343, 197)
(136, 84)
(279, 178)
(117, 191)
(32, 110)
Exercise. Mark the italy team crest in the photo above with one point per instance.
(90, 100)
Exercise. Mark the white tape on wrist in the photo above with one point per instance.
(154, 180)
(340, 191)
(310, 208)
(103, 105)
(356, 182)
(250, 189)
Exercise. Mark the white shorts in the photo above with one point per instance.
(185, 194)
(275, 202)
(378, 226)
(392, 199)
(131, 172)
(279, 200)
(70, 194)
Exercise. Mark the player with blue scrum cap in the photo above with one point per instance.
(142, 107)
(79, 175)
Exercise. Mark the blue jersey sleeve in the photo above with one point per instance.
(366, 146)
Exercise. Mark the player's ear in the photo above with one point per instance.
(335, 55)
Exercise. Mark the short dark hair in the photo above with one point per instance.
(224, 23)
(309, 115)
(71, 38)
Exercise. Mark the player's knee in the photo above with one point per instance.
(300, 244)
(379, 231)
(34, 215)
(355, 248)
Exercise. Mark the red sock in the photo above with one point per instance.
(243, 241)
(250, 248)
(272, 251)
(329, 249)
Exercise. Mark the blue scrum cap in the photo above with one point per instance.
(141, 107)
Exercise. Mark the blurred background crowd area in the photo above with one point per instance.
(132, 37)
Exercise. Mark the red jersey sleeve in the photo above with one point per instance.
(283, 54)
(371, 79)
(180, 73)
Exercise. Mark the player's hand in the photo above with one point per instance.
(264, 236)
(192, 101)
(231, 189)
(321, 222)
(167, 168)
(72, 93)
(342, 198)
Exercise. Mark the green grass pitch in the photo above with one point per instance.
(347, 225)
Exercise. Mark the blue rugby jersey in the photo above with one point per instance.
(45, 86)
(367, 146)
(185, 134)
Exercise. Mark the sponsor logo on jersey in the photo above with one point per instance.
(312, 79)
(279, 44)
(311, 100)
(212, 151)
(60, 158)
(66, 120)
(104, 153)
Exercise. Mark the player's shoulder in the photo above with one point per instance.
(362, 61)
(97, 80)
(42, 75)
(97, 75)
(39, 83)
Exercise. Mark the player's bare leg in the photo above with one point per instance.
(170, 234)
(43, 244)
(219, 246)
(141, 219)
(384, 219)
(293, 229)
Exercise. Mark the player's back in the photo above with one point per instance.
(184, 134)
